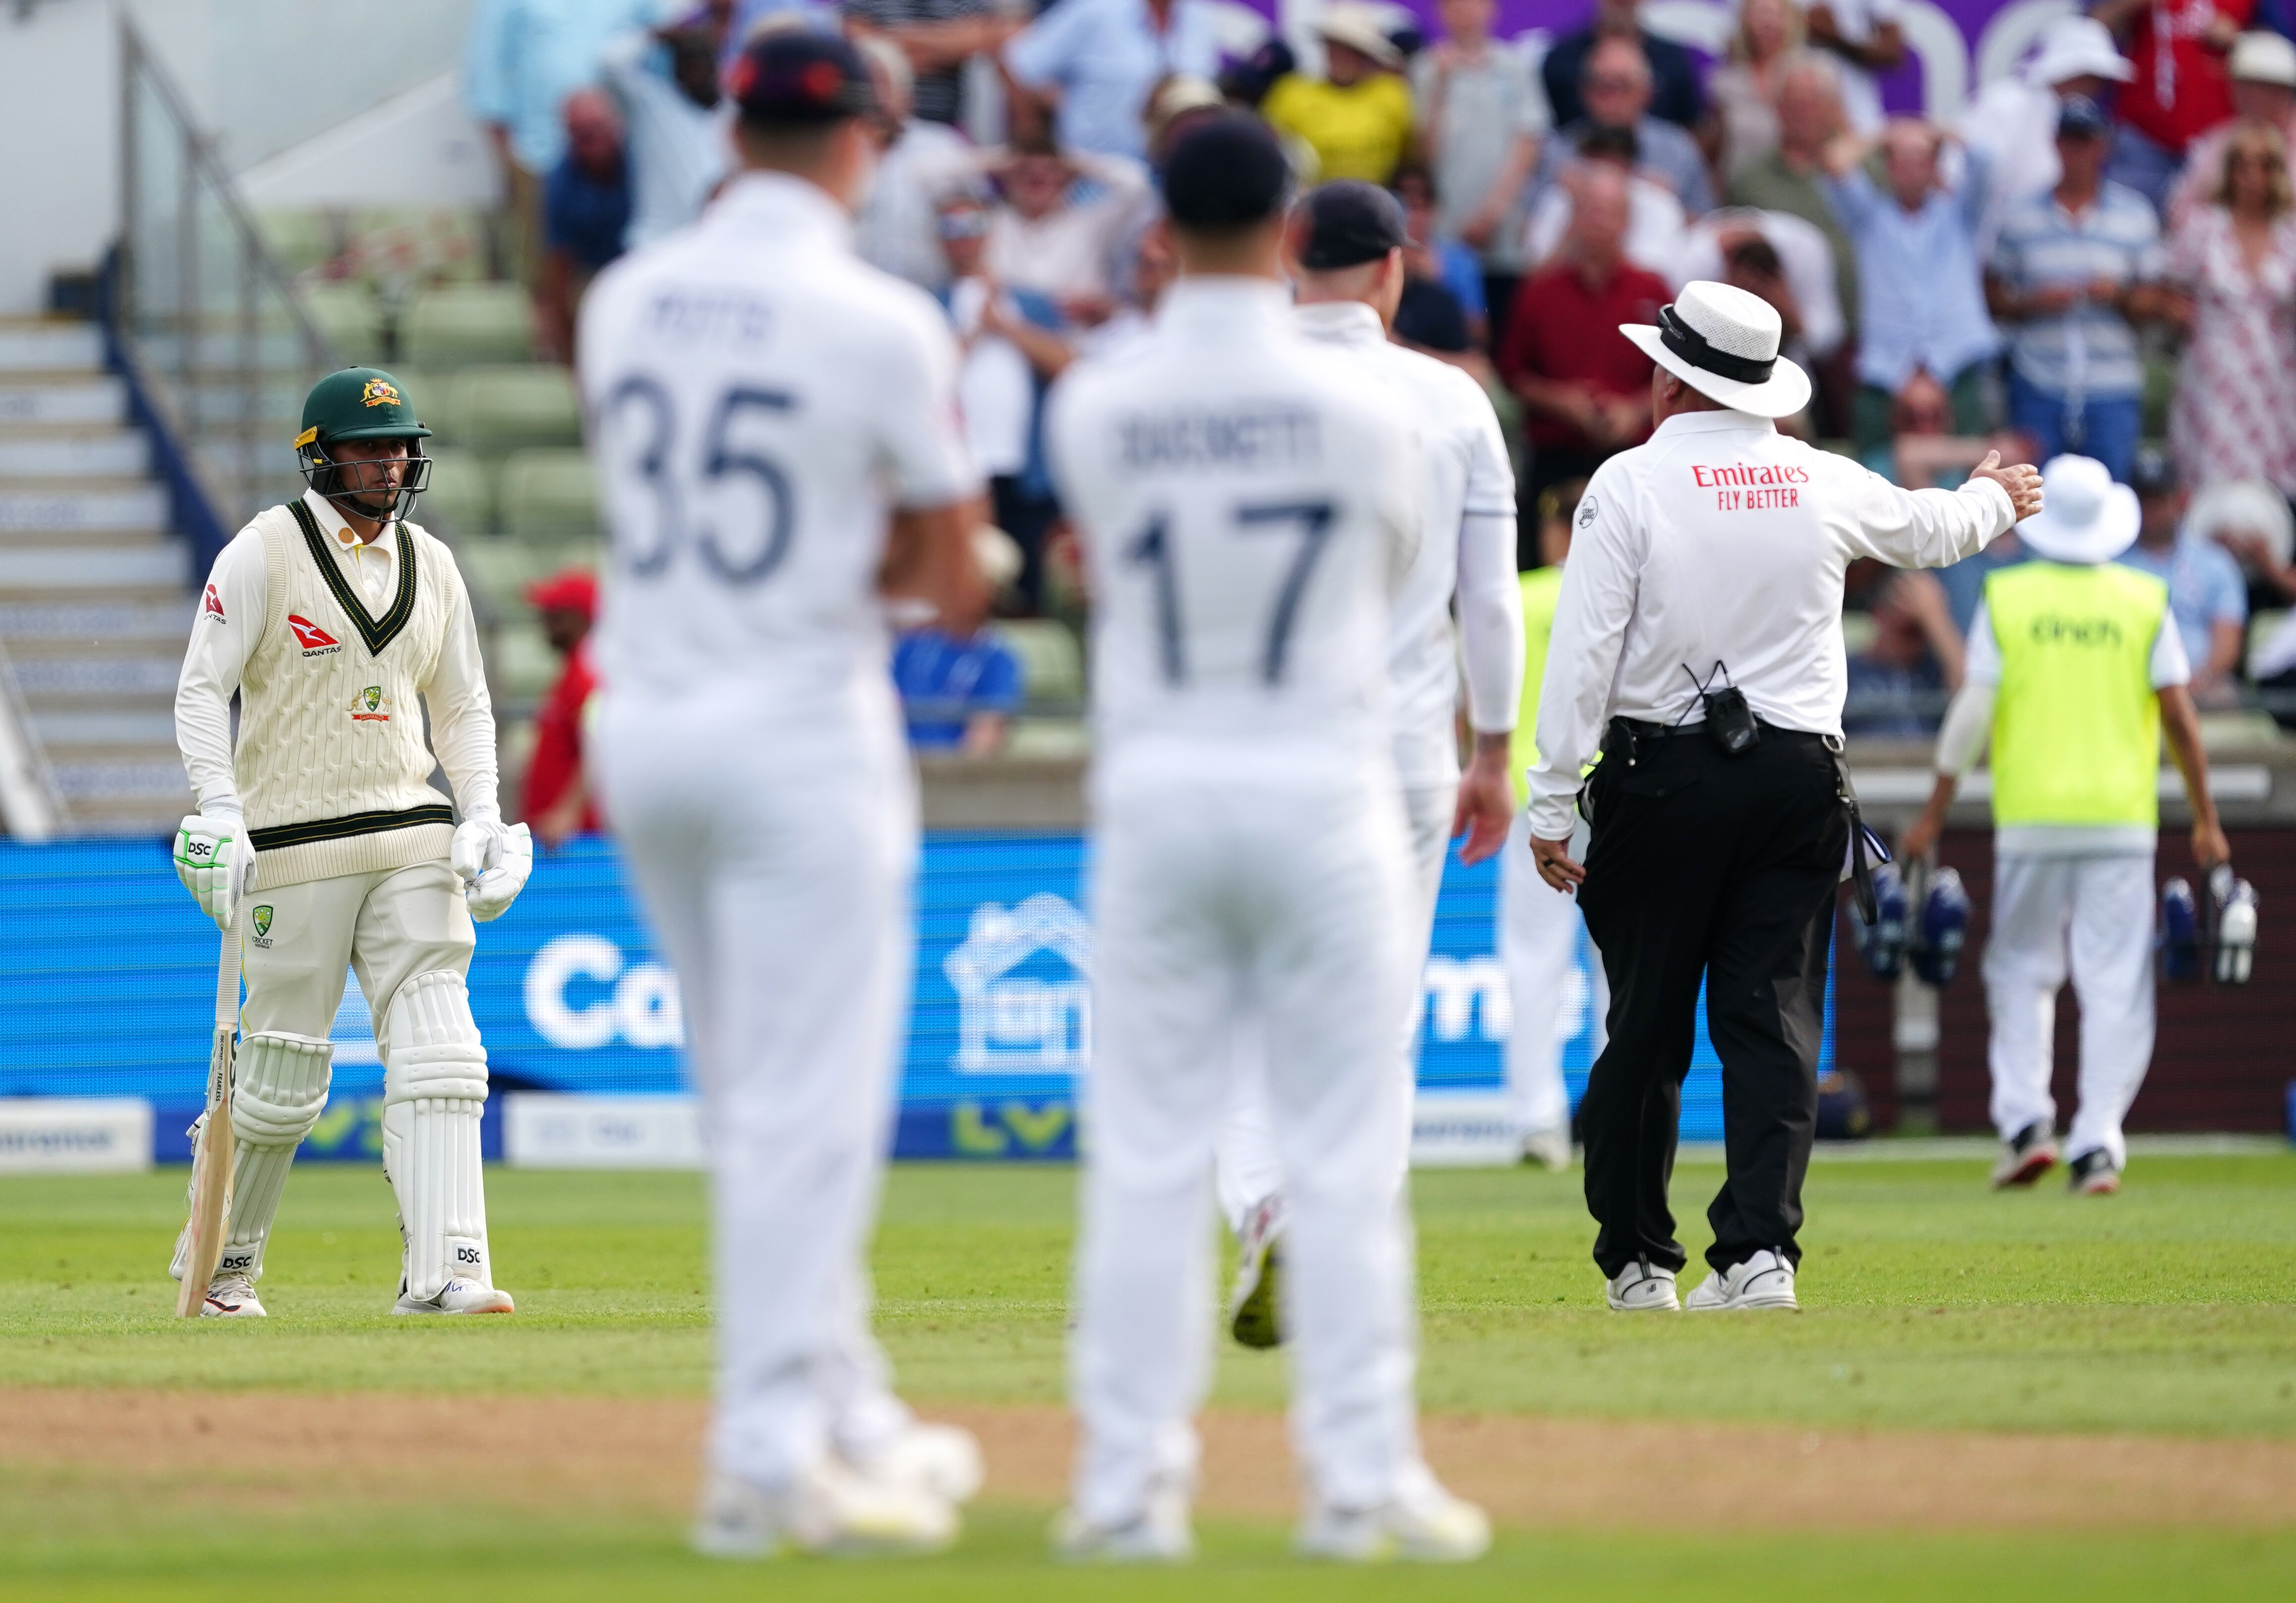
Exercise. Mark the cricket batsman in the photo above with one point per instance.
(329, 617)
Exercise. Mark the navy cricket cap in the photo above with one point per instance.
(799, 76)
(1347, 223)
(1226, 173)
(2081, 118)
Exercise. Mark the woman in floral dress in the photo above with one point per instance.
(2235, 259)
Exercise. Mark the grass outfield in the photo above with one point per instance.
(2169, 1310)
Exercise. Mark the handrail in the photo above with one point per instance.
(205, 321)
(31, 807)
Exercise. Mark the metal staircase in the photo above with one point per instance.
(95, 603)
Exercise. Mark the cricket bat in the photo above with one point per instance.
(211, 1161)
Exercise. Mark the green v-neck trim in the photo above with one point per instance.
(374, 633)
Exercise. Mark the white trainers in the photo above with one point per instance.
(458, 1296)
(1548, 1149)
(1642, 1287)
(939, 1461)
(231, 1297)
(1765, 1280)
(2093, 1174)
(1160, 1533)
(1422, 1524)
(1255, 1308)
(2025, 1157)
(829, 1511)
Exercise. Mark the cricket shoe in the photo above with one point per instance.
(1548, 1149)
(2093, 1174)
(1160, 1533)
(937, 1460)
(231, 1297)
(1642, 1287)
(1254, 1309)
(828, 1510)
(1765, 1280)
(456, 1296)
(1420, 1524)
(2025, 1157)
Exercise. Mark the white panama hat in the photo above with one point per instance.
(2084, 517)
(1723, 343)
(1356, 24)
(2259, 57)
(2078, 46)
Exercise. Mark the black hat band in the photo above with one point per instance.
(1693, 348)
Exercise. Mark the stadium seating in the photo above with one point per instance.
(500, 409)
(456, 325)
(299, 241)
(549, 495)
(460, 504)
(351, 316)
(1052, 665)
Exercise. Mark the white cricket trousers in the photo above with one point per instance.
(1246, 1168)
(389, 926)
(1538, 948)
(1245, 885)
(2091, 917)
(775, 863)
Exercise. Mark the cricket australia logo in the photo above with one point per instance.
(1023, 983)
(379, 393)
(261, 919)
(315, 641)
(370, 706)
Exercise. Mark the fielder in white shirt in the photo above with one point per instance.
(775, 424)
(1248, 506)
(331, 618)
(1346, 256)
(1698, 646)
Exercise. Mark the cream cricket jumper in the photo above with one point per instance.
(331, 645)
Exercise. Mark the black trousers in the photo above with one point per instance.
(1725, 869)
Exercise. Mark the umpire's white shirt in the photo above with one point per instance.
(1466, 550)
(1722, 542)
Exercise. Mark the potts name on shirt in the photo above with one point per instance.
(1751, 486)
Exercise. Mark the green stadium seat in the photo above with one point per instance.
(352, 318)
(498, 571)
(460, 504)
(500, 409)
(549, 495)
(1048, 739)
(521, 666)
(1052, 664)
(399, 246)
(456, 325)
(299, 241)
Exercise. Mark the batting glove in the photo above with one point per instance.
(494, 862)
(210, 852)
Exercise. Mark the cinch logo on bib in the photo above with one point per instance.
(315, 641)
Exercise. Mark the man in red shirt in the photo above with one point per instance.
(2181, 89)
(1584, 386)
(558, 805)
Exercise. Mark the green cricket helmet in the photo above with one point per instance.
(360, 403)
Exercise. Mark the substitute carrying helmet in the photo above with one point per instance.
(1941, 927)
(360, 403)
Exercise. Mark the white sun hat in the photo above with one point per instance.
(2084, 517)
(1356, 24)
(2078, 46)
(2244, 506)
(2260, 57)
(1723, 343)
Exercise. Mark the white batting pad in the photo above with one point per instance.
(434, 1089)
(279, 1089)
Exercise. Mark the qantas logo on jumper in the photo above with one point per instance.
(212, 606)
(1752, 486)
(315, 641)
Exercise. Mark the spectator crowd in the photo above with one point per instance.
(2102, 237)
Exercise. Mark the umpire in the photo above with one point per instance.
(1698, 647)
